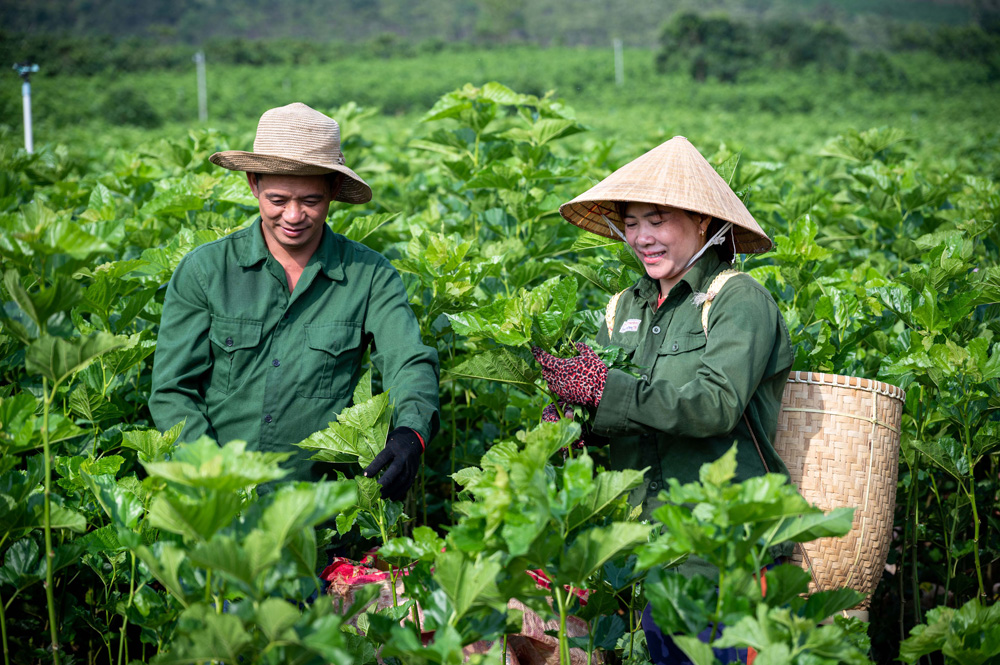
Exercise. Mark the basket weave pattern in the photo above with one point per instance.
(839, 438)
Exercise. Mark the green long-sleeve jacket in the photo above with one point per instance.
(240, 357)
(687, 407)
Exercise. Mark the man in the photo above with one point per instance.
(264, 331)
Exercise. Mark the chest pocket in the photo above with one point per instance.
(333, 356)
(679, 355)
(234, 346)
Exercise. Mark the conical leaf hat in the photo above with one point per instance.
(673, 174)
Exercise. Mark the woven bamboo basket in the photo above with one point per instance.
(839, 437)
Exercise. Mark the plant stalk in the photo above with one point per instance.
(49, 554)
(380, 518)
(975, 510)
(561, 606)
(3, 630)
(131, 595)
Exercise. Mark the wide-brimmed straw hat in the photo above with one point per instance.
(297, 140)
(673, 174)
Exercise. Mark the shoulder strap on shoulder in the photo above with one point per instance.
(713, 291)
(609, 312)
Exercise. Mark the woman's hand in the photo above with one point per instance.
(550, 414)
(577, 380)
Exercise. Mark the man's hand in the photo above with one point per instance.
(402, 455)
(577, 380)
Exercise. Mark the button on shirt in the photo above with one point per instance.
(687, 407)
(239, 357)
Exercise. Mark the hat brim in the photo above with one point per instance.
(589, 214)
(673, 174)
(353, 190)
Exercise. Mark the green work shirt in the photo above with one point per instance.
(687, 406)
(240, 357)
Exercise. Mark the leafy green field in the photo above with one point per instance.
(883, 203)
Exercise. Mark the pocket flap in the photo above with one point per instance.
(233, 334)
(334, 338)
(682, 343)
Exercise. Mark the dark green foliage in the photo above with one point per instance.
(721, 47)
(884, 266)
(127, 106)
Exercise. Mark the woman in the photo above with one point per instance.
(701, 388)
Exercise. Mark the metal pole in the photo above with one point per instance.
(199, 61)
(29, 142)
(619, 63)
(25, 70)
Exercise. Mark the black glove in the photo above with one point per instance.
(402, 455)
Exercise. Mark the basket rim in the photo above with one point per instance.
(845, 381)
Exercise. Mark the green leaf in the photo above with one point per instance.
(499, 365)
(358, 435)
(679, 604)
(824, 604)
(203, 635)
(610, 486)
(47, 301)
(786, 583)
(151, 444)
(22, 566)
(593, 548)
(721, 471)
(225, 555)
(194, 519)
(203, 464)
(369, 493)
(168, 563)
(122, 506)
(275, 617)
(298, 507)
(700, 653)
(56, 358)
(550, 129)
(802, 529)
(502, 320)
(362, 226)
(466, 582)
(947, 453)
(501, 94)
(424, 546)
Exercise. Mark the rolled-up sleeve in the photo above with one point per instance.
(183, 356)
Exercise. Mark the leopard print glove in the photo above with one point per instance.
(551, 415)
(577, 380)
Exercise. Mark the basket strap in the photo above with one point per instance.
(609, 312)
(713, 291)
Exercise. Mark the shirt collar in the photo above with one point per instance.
(329, 255)
(698, 278)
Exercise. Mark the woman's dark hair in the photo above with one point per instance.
(724, 251)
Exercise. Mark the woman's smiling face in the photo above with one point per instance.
(664, 239)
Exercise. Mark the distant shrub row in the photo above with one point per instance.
(713, 45)
(718, 46)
